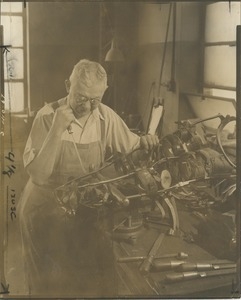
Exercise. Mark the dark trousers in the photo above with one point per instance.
(69, 256)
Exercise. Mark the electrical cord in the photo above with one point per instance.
(165, 48)
(147, 104)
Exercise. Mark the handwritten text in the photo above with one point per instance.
(13, 205)
(2, 114)
(10, 168)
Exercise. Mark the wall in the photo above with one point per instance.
(153, 21)
(123, 18)
(190, 57)
(60, 33)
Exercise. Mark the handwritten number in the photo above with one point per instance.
(13, 213)
(10, 171)
(10, 156)
(10, 168)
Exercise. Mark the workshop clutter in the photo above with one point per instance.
(189, 167)
(177, 267)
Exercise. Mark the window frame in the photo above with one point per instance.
(24, 15)
(231, 43)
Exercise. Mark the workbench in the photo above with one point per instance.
(133, 283)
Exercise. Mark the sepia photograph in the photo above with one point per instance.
(120, 132)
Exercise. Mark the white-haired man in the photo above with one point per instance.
(64, 256)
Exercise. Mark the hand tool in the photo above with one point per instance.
(179, 255)
(204, 266)
(166, 265)
(146, 264)
(192, 275)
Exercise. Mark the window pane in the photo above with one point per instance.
(12, 30)
(11, 7)
(220, 66)
(14, 96)
(221, 22)
(13, 64)
(221, 93)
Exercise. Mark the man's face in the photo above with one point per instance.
(83, 99)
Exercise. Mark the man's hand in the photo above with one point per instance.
(42, 166)
(149, 142)
(63, 118)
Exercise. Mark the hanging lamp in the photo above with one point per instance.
(114, 54)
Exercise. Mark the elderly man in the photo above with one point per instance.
(69, 138)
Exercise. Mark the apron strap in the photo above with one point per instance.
(102, 131)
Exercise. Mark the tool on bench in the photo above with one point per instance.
(179, 255)
(192, 275)
(204, 266)
(174, 214)
(146, 264)
(166, 265)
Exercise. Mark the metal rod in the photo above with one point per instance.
(203, 96)
(218, 87)
(178, 255)
(231, 44)
(107, 181)
(164, 51)
(238, 136)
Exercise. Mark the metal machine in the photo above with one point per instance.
(192, 167)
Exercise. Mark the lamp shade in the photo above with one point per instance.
(114, 54)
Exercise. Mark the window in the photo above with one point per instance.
(221, 21)
(13, 19)
(218, 86)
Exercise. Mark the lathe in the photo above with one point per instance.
(145, 198)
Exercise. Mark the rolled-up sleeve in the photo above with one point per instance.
(119, 136)
(38, 133)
